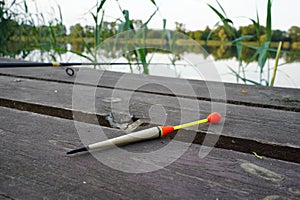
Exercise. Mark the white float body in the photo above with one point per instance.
(146, 134)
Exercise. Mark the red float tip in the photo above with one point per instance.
(166, 130)
(214, 118)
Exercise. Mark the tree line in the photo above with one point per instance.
(16, 37)
(219, 33)
(20, 33)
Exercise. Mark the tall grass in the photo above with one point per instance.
(135, 43)
(262, 52)
(9, 13)
(22, 31)
(98, 17)
(126, 26)
(139, 49)
(134, 39)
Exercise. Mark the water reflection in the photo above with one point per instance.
(224, 56)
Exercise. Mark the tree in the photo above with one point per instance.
(113, 28)
(77, 31)
(198, 35)
(43, 31)
(222, 33)
(251, 30)
(191, 34)
(219, 34)
(8, 29)
(59, 29)
(294, 33)
(278, 35)
(205, 33)
(89, 31)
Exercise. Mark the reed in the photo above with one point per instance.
(261, 52)
(276, 64)
(125, 28)
(50, 40)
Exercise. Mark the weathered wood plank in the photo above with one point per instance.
(257, 96)
(34, 166)
(245, 128)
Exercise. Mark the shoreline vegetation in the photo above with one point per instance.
(19, 46)
(41, 36)
(21, 32)
(218, 49)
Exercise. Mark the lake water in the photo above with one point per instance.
(195, 66)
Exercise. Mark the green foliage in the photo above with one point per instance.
(76, 31)
(103, 30)
(294, 33)
(225, 20)
(279, 35)
(135, 29)
(252, 32)
(19, 35)
(7, 28)
(269, 22)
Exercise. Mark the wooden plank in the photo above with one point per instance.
(257, 96)
(34, 166)
(268, 132)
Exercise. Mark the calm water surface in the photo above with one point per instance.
(195, 66)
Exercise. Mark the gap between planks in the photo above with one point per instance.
(228, 101)
(272, 150)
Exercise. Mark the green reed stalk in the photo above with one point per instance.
(262, 52)
(276, 64)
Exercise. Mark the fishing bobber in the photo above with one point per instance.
(150, 133)
(214, 118)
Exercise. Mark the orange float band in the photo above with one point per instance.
(165, 130)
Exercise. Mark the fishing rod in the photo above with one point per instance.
(150, 133)
(69, 70)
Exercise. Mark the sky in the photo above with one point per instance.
(195, 14)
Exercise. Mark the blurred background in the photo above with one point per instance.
(250, 41)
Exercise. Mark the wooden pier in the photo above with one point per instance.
(255, 156)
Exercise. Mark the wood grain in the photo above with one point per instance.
(44, 113)
(269, 132)
(257, 96)
(34, 166)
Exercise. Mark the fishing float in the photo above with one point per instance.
(147, 134)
